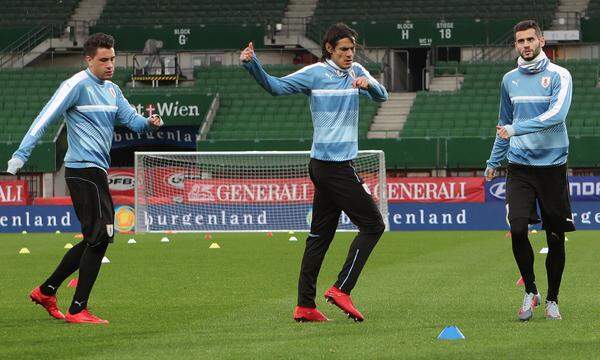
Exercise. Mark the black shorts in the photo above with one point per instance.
(93, 203)
(339, 188)
(549, 187)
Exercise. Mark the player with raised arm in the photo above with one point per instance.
(532, 134)
(334, 85)
(91, 105)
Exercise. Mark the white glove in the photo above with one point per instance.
(14, 165)
(153, 123)
(489, 173)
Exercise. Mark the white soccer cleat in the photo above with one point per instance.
(552, 312)
(530, 302)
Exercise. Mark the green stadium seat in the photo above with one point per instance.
(245, 105)
(139, 12)
(473, 110)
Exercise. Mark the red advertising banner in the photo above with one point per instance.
(168, 181)
(177, 184)
(436, 190)
(230, 191)
(14, 192)
(300, 190)
(121, 181)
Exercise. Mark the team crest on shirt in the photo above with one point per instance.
(339, 73)
(352, 73)
(545, 81)
(111, 90)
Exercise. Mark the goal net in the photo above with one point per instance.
(237, 191)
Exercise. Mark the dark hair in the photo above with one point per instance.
(97, 40)
(526, 25)
(334, 34)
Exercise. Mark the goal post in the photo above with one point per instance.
(227, 191)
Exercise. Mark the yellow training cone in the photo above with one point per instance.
(214, 246)
(24, 251)
(68, 246)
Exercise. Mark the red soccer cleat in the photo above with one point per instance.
(84, 317)
(343, 301)
(305, 314)
(47, 302)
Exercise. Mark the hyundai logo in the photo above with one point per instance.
(498, 190)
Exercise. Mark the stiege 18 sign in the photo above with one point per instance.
(13, 192)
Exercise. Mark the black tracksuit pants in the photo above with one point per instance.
(337, 188)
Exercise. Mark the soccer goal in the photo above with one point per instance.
(237, 191)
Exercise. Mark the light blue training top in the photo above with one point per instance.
(91, 108)
(334, 103)
(534, 102)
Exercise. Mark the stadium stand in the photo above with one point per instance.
(590, 23)
(141, 12)
(593, 9)
(400, 23)
(24, 93)
(443, 129)
(19, 16)
(247, 111)
(187, 24)
(473, 110)
(394, 10)
(28, 12)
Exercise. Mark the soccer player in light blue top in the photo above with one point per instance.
(333, 85)
(333, 89)
(532, 134)
(91, 105)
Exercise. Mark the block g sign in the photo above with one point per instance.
(182, 35)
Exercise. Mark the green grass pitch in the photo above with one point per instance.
(183, 300)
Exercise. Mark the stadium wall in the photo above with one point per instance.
(582, 51)
(417, 153)
(185, 37)
(413, 204)
(563, 51)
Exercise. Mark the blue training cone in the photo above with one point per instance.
(451, 333)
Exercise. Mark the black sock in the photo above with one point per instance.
(314, 253)
(88, 272)
(555, 263)
(523, 252)
(68, 265)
